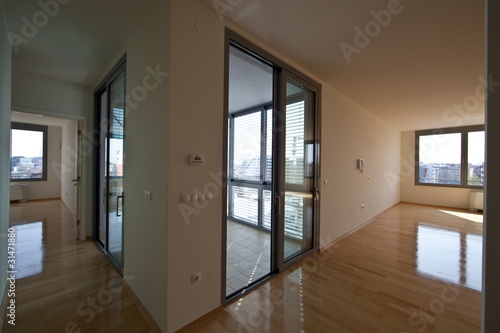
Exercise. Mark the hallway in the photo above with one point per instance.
(64, 285)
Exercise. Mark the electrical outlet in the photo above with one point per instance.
(195, 278)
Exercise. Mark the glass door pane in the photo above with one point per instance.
(109, 193)
(115, 174)
(250, 179)
(101, 229)
(299, 165)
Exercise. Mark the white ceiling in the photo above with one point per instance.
(29, 118)
(425, 61)
(251, 81)
(79, 41)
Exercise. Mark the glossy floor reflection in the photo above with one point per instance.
(58, 276)
(415, 268)
(450, 255)
(249, 253)
(30, 248)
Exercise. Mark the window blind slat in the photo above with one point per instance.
(246, 155)
(245, 204)
(294, 144)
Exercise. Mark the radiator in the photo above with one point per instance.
(18, 192)
(475, 201)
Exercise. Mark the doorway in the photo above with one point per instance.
(109, 192)
(272, 167)
(63, 168)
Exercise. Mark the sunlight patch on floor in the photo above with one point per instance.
(478, 218)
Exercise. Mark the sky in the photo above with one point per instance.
(445, 148)
(27, 143)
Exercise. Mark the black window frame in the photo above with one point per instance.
(262, 184)
(35, 128)
(464, 163)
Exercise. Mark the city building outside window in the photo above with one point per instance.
(450, 157)
(28, 152)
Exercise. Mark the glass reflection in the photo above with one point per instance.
(29, 249)
(450, 255)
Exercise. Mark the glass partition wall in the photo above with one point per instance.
(250, 175)
(109, 191)
(272, 167)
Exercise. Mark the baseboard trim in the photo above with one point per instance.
(33, 200)
(202, 320)
(361, 226)
(435, 206)
(142, 309)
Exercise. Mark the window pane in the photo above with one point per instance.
(245, 204)
(476, 158)
(294, 149)
(269, 146)
(440, 156)
(247, 145)
(294, 216)
(26, 154)
(266, 208)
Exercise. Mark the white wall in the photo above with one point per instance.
(69, 164)
(350, 132)
(37, 92)
(5, 91)
(491, 258)
(429, 195)
(146, 151)
(195, 126)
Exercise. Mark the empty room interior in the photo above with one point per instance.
(249, 166)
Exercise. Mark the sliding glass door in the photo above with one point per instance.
(110, 103)
(249, 225)
(272, 169)
(299, 168)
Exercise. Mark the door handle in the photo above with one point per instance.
(278, 205)
(118, 204)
